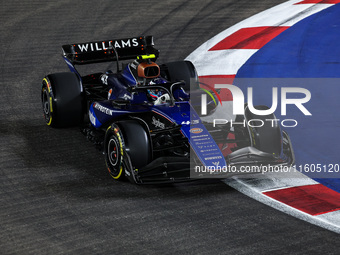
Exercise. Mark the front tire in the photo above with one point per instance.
(127, 148)
(268, 137)
(114, 152)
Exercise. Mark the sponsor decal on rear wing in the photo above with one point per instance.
(101, 51)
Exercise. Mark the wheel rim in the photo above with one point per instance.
(46, 104)
(112, 152)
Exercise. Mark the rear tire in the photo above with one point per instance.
(61, 97)
(181, 71)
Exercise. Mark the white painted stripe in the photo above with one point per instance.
(287, 15)
(221, 62)
(275, 181)
(332, 217)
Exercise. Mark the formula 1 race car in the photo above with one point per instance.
(143, 116)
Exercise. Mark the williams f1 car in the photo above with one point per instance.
(144, 118)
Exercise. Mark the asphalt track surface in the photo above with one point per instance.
(55, 194)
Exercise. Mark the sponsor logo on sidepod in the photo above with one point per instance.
(196, 130)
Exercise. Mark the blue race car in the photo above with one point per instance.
(144, 116)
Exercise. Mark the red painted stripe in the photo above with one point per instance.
(249, 38)
(319, 2)
(312, 199)
(209, 81)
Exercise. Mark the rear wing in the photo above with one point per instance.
(102, 51)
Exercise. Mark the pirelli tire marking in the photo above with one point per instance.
(47, 97)
(114, 152)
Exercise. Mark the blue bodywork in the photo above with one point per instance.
(181, 113)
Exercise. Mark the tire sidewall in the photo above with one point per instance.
(47, 92)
